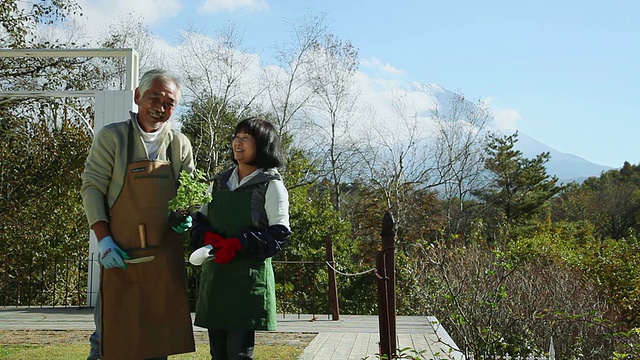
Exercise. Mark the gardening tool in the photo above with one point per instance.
(142, 233)
(202, 255)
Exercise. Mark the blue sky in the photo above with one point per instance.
(566, 73)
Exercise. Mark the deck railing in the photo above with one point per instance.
(302, 287)
(45, 282)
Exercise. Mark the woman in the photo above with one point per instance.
(244, 225)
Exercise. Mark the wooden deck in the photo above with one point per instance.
(356, 337)
(352, 337)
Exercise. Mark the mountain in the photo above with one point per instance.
(567, 167)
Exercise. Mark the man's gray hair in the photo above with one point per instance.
(147, 79)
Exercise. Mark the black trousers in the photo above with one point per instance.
(232, 344)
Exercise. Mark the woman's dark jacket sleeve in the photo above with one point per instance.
(265, 243)
(261, 243)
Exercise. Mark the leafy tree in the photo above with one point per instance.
(19, 19)
(43, 144)
(210, 127)
(615, 265)
(519, 187)
(42, 223)
(611, 202)
(19, 22)
(312, 219)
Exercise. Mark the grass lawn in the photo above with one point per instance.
(79, 352)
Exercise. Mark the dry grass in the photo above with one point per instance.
(74, 344)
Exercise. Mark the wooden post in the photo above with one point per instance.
(333, 288)
(385, 266)
(388, 242)
(383, 314)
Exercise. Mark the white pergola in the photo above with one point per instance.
(110, 106)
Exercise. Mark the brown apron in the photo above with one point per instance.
(145, 308)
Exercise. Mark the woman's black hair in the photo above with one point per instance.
(268, 145)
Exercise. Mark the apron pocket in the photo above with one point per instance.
(141, 267)
(141, 255)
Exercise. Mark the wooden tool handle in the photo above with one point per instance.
(142, 232)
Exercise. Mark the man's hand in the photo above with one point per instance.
(110, 255)
(183, 226)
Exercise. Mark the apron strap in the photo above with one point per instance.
(130, 143)
(169, 152)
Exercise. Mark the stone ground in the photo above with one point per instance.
(48, 337)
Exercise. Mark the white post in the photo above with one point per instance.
(110, 107)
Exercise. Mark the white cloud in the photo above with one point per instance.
(98, 14)
(506, 119)
(217, 6)
(392, 110)
(379, 67)
(368, 83)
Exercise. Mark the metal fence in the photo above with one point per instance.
(301, 286)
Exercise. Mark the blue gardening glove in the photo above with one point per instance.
(110, 255)
(184, 226)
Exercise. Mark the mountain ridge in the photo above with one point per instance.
(566, 166)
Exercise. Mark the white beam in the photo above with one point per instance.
(131, 75)
(130, 56)
(46, 94)
(66, 52)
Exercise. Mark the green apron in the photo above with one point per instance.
(238, 295)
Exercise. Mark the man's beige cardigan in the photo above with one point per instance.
(106, 163)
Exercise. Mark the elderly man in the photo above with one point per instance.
(130, 174)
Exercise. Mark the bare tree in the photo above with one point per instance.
(218, 78)
(458, 151)
(289, 81)
(333, 66)
(395, 157)
(130, 31)
(411, 152)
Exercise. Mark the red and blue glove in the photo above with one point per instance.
(211, 238)
(225, 248)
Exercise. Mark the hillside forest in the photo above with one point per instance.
(499, 251)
